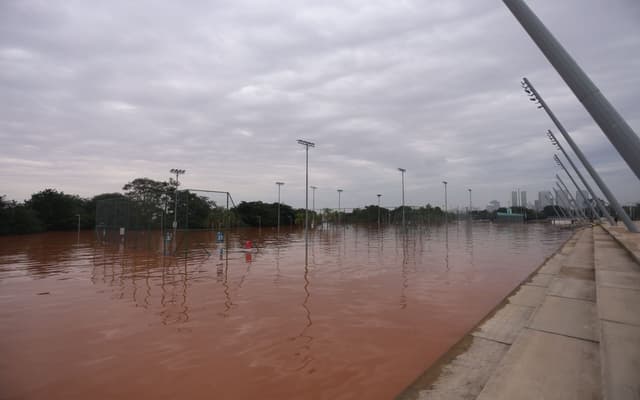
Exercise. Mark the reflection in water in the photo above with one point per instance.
(446, 244)
(233, 326)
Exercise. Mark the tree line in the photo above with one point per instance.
(149, 204)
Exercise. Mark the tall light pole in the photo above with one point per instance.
(571, 198)
(556, 202)
(470, 205)
(78, 215)
(604, 211)
(593, 211)
(402, 171)
(379, 195)
(535, 97)
(313, 221)
(619, 133)
(306, 144)
(279, 186)
(446, 217)
(561, 197)
(339, 193)
(178, 172)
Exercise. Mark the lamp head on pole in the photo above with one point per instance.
(402, 170)
(530, 91)
(306, 143)
(557, 160)
(279, 183)
(553, 139)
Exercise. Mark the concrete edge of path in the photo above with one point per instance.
(619, 238)
(427, 378)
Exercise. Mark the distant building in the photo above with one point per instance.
(536, 205)
(545, 198)
(562, 200)
(493, 205)
(523, 198)
(514, 199)
(509, 216)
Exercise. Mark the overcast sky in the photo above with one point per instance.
(97, 93)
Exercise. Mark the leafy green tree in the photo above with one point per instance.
(149, 201)
(17, 218)
(195, 211)
(56, 210)
(248, 212)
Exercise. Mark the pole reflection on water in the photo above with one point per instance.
(220, 320)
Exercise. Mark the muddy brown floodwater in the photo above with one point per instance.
(366, 316)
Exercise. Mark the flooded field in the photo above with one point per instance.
(367, 314)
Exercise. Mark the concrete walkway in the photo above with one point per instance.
(571, 332)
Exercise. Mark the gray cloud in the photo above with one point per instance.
(96, 94)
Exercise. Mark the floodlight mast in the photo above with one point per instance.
(379, 195)
(313, 206)
(566, 202)
(535, 97)
(306, 144)
(619, 133)
(574, 182)
(402, 170)
(279, 185)
(571, 198)
(602, 208)
(178, 172)
(339, 194)
(446, 216)
(557, 201)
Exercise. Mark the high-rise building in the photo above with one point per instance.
(514, 199)
(493, 205)
(523, 198)
(545, 198)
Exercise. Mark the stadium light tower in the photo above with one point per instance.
(446, 217)
(339, 194)
(557, 144)
(279, 186)
(571, 198)
(593, 211)
(379, 195)
(619, 133)
(539, 101)
(313, 206)
(178, 172)
(402, 171)
(306, 144)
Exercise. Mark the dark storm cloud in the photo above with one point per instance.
(96, 94)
